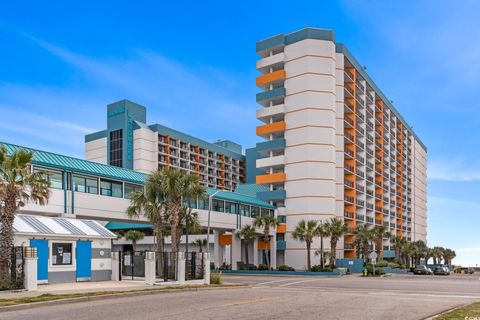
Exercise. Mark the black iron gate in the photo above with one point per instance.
(166, 266)
(194, 266)
(16, 269)
(132, 265)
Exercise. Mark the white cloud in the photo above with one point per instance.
(454, 169)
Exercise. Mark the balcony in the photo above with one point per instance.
(271, 178)
(276, 144)
(348, 214)
(272, 195)
(271, 77)
(281, 245)
(267, 129)
(265, 97)
(268, 162)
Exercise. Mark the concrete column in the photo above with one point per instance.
(217, 249)
(273, 251)
(30, 269)
(115, 266)
(181, 267)
(255, 252)
(150, 268)
(236, 250)
(206, 268)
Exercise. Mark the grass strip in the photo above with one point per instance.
(470, 311)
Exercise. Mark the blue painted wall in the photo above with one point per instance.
(251, 156)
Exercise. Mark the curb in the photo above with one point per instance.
(25, 306)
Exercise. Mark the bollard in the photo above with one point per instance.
(150, 268)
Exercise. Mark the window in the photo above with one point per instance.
(255, 211)
(203, 204)
(245, 210)
(190, 203)
(111, 188)
(85, 184)
(116, 148)
(230, 207)
(61, 254)
(55, 177)
(217, 205)
(129, 188)
(265, 212)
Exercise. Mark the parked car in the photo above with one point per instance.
(465, 270)
(422, 270)
(441, 271)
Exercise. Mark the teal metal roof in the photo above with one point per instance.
(251, 189)
(62, 162)
(238, 197)
(114, 225)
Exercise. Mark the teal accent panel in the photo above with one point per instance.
(293, 273)
(250, 189)
(303, 34)
(229, 145)
(251, 156)
(271, 94)
(237, 197)
(272, 195)
(389, 254)
(354, 265)
(115, 225)
(61, 162)
(275, 41)
(271, 145)
(281, 245)
(95, 136)
(340, 48)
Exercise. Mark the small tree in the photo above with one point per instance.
(336, 228)
(134, 236)
(322, 232)
(363, 237)
(18, 186)
(306, 231)
(200, 243)
(247, 233)
(379, 233)
(266, 222)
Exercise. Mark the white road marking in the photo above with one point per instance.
(274, 281)
(438, 295)
(297, 282)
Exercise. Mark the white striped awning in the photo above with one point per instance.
(53, 226)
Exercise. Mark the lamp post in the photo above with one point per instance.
(208, 223)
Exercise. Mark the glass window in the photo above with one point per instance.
(79, 184)
(218, 205)
(230, 207)
(203, 204)
(255, 211)
(55, 177)
(92, 185)
(245, 210)
(129, 188)
(61, 254)
(111, 188)
(265, 212)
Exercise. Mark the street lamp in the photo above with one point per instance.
(208, 223)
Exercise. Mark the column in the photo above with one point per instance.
(206, 268)
(30, 269)
(150, 268)
(217, 249)
(236, 250)
(115, 266)
(255, 252)
(273, 251)
(181, 267)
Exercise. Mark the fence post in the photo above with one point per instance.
(181, 267)
(30, 269)
(206, 268)
(116, 266)
(150, 268)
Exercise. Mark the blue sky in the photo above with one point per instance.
(192, 63)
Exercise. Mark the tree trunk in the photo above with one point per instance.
(322, 262)
(160, 245)
(246, 253)
(380, 249)
(267, 251)
(6, 238)
(333, 246)
(309, 262)
(174, 224)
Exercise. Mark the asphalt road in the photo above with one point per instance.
(349, 297)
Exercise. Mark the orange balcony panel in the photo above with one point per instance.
(262, 245)
(271, 127)
(271, 178)
(225, 239)
(270, 77)
(282, 228)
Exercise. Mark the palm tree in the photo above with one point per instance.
(336, 228)
(18, 186)
(200, 243)
(363, 237)
(188, 224)
(305, 231)
(266, 222)
(421, 251)
(399, 243)
(379, 233)
(134, 236)
(178, 186)
(436, 253)
(322, 232)
(449, 255)
(408, 250)
(247, 233)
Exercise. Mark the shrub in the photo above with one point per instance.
(285, 268)
(378, 270)
(318, 268)
(393, 265)
(262, 267)
(248, 267)
(216, 278)
(382, 263)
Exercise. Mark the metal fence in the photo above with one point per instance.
(16, 270)
(194, 266)
(132, 265)
(166, 266)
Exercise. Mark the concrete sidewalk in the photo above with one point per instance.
(80, 287)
